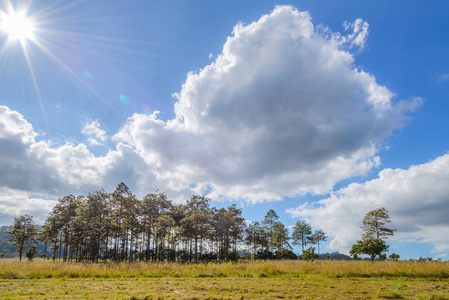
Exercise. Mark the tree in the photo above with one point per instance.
(252, 237)
(394, 256)
(49, 234)
(226, 230)
(268, 225)
(281, 237)
(63, 214)
(375, 233)
(123, 225)
(196, 220)
(374, 224)
(152, 206)
(369, 246)
(301, 234)
(317, 237)
(23, 231)
(31, 253)
(92, 218)
(286, 254)
(309, 254)
(163, 230)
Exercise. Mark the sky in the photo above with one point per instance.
(319, 110)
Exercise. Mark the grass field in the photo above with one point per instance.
(244, 280)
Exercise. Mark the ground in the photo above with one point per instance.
(262, 280)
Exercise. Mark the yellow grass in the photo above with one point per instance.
(244, 280)
(14, 269)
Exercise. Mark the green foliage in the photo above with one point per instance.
(301, 234)
(281, 237)
(31, 253)
(44, 256)
(370, 246)
(268, 226)
(374, 224)
(285, 254)
(118, 226)
(374, 236)
(317, 237)
(23, 231)
(394, 256)
(309, 254)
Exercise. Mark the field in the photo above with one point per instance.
(244, 280)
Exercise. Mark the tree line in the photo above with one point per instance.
(120, 227)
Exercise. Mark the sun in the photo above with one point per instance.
(17, 26)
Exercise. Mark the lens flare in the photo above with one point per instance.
(124, 99)
(89, 75)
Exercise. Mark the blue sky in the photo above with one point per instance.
(320, 110)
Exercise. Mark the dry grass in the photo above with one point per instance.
(13, 269)
(309, 287)
(244, 280)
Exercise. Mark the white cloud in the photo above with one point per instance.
(417, 199)
(443, 77)
(95, 133)
(359, 33)
(93, 142)
(14, 203)
(281, 111)
(38, 168)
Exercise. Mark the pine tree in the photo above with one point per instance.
(23, 231)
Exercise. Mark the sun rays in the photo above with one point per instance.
(44, 30)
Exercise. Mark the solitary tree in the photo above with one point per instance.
(24, 231)
(375, 234)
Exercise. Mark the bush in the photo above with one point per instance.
(31, 253)
(309, 254)
(44, 256)
(286, 254)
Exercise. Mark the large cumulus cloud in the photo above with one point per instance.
(417, 199)
(283, 110)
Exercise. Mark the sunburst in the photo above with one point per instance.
(17, 26)
(40, 29)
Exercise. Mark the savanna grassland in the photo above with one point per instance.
(244, 280)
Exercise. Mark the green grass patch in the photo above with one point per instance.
(308, 287)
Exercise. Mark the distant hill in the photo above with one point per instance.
(6, 248)
(335, 256)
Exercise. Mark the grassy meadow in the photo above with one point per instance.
(244, 280)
